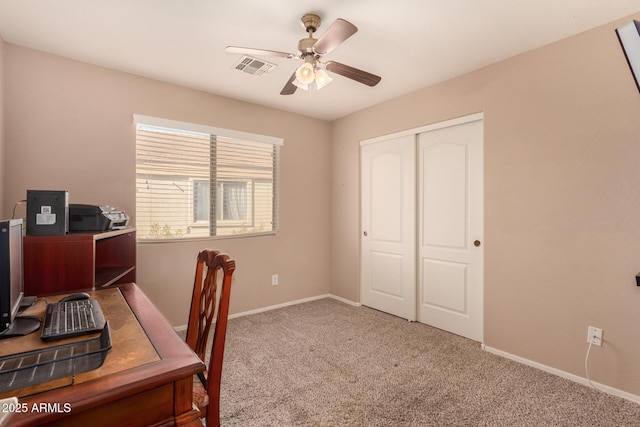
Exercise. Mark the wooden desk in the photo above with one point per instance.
(146, 379)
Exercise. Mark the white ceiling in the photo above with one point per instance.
(411, 44)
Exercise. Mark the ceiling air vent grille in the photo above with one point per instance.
(254, 66)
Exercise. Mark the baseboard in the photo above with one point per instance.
(285, 304)
(578, 379)
(274, 307)
(344, 300)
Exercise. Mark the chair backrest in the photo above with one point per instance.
(219, 270)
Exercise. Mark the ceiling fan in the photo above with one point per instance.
(311, 50)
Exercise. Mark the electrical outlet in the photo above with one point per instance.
(594, 335)
(274, 280)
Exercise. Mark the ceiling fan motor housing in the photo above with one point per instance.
(305, 46)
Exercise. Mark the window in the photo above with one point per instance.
(231, 197)
(196, 181)
(233, 201)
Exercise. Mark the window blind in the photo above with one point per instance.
(195, 181)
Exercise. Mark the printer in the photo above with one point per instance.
(96, 218)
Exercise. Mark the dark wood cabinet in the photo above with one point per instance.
(78, 261)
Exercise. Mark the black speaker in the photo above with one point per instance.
(47, 212)
(629, 36)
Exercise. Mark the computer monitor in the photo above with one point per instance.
(11, 282)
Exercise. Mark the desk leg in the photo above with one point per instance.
(182, 419)
(186, 414)
(194, 423)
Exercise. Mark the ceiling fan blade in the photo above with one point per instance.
(337, 32)
(251, 51)
(289, 88)
(353, 73)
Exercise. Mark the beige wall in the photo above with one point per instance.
(562, 199)
(69, 125)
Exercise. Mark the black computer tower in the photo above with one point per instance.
(47, 212)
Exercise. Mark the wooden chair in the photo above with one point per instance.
(203, 307)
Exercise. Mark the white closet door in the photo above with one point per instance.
(388, 249)
(450, 226)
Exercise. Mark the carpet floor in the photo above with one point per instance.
(326, 363)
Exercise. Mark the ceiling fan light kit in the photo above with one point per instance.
(305, 73)
(308, 73)
(322, 78)
(299, 84)
(311, 50)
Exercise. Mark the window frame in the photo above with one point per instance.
(240, 137)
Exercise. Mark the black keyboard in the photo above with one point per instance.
(71, 318)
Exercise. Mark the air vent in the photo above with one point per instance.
(254, 66)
